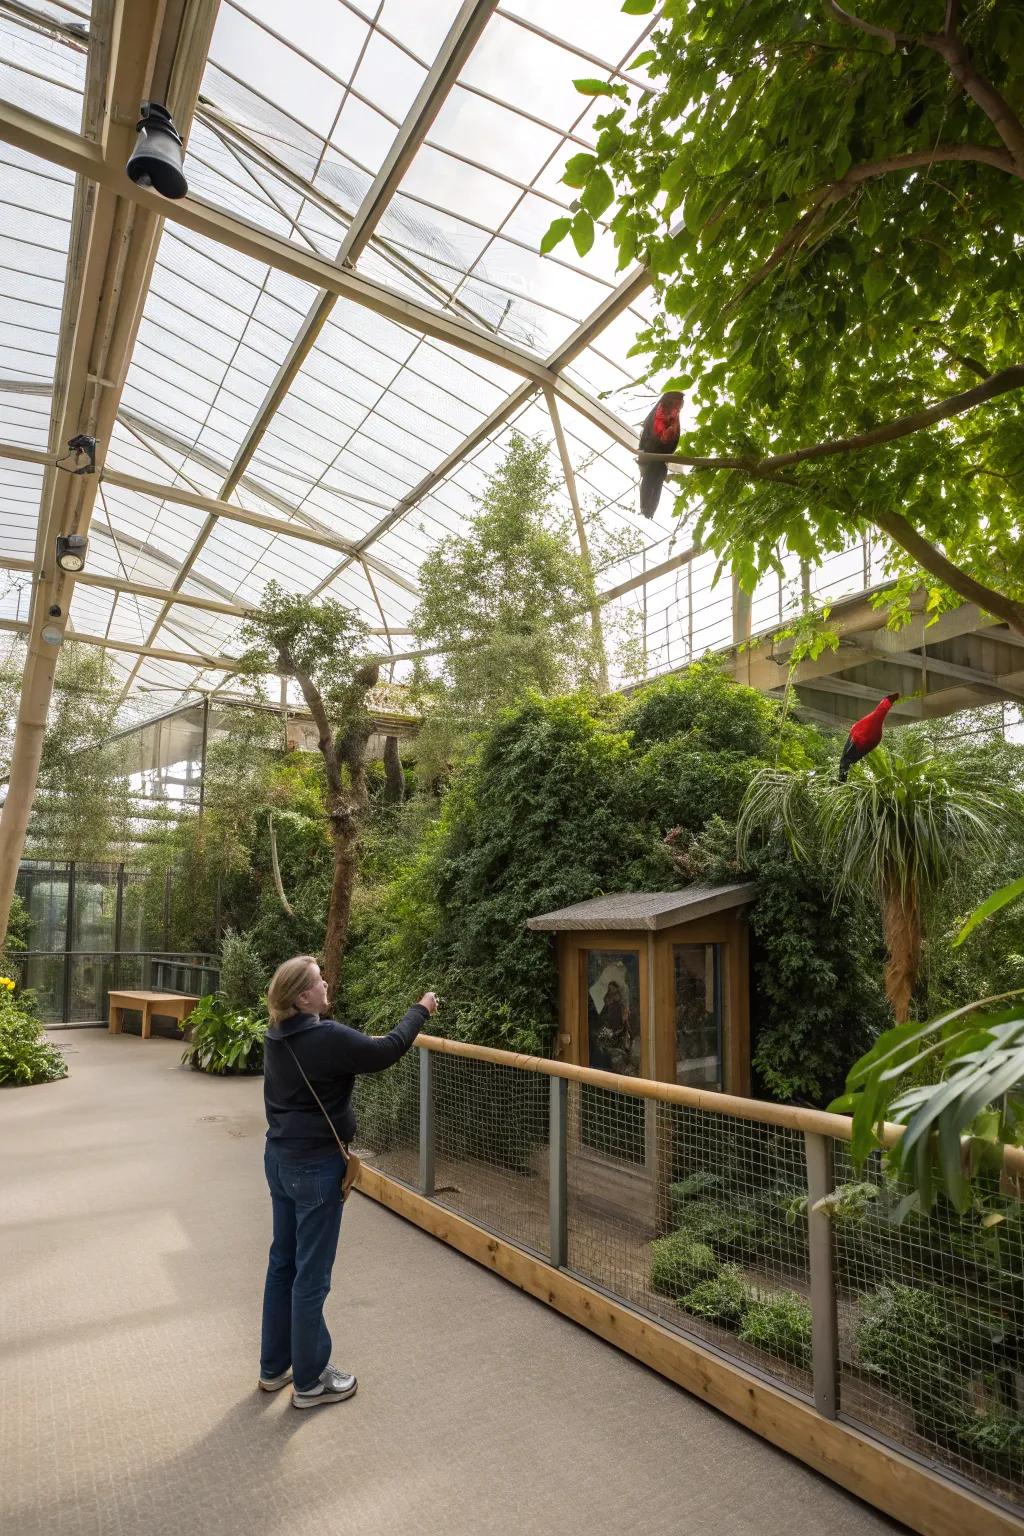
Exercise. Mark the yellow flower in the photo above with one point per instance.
(5, 981)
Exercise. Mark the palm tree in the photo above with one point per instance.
(900, 827)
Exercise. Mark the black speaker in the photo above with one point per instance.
(156, 158)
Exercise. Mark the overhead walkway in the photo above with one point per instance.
(133, 1231)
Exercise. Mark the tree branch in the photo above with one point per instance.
(904, 426)
(848, 19)
(995, 106)
(949, 46)
(932, 559)
(315, 705)
(826, 197)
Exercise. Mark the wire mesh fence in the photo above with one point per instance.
(931, 1328)
(700, 1219)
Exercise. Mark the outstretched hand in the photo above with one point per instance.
(429, 1002)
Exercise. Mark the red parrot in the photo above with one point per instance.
(659, 434)
(865, 734)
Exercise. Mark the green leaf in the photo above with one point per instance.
(594, 87)
(994, 903)
(582, 231)
(638, 7)
(598, 193)
(556, 233)
(577, 169)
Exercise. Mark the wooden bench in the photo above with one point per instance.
(166, 1005)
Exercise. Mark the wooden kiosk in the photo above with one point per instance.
(651, 984)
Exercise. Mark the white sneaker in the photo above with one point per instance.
(274, 1383)
(334, 1386)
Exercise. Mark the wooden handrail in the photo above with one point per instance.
(793, 1117)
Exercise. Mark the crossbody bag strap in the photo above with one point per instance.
(341, 1145)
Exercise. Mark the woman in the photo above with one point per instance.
(309, 1058)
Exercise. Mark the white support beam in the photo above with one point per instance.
(38, 137)
(198, 660)
(142, 50)
(126, 588)
(217, 508)
(569, 475)
(456, 48)
(663, 569)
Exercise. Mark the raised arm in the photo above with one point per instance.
(356, 1052)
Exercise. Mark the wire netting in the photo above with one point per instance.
(696, 1218)
(701, 1220)
(931, 1327)
(492, 1147)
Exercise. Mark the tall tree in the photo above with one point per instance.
(322, 646)
(83, 803)
(831, 207)
(506, 603)
(899, 827)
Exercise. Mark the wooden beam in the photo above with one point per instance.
(909, 1491)
(663, 569)
(1010, 688)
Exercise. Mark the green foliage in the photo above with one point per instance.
(568, 798)
(224, 1039)
(324, 641)
(731, 1231)
(506, 603)
(809, 282)
(724, 1299)
(19, 926)
(26, 1056)
(243, 977)
(82, 806)
(977, 1055)
(678, 1264)
(780, 1324)
(908, 1336)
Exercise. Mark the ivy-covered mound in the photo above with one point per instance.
(573, 797)
(26, 1056)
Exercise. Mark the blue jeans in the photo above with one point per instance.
(307, 1206)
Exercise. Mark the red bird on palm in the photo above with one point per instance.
(865, 735)
(659, 434)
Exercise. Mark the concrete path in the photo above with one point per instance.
(134, 1224)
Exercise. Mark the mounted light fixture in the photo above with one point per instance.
(156, 158)
(52, 635)
(71, 552)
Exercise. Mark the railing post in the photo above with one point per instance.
(426, 1122)
(557, 1183)
(824, 1330)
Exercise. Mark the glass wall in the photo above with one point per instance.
(91, 932)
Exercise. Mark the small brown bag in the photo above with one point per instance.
(353, 1165)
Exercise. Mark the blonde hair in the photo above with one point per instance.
(288, 982)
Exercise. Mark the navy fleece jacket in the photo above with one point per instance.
(331, 1055)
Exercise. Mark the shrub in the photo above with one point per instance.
(996, 1440)
(26, 1056)
(224, 1039)
(907, 1335)
(696, 1186)
(678, 1264)
(243, 975)
(732, 1231)
(724, 1299)
(780, 1324)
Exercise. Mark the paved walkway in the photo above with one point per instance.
(134, 1224)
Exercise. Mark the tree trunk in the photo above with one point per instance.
(345, 840)
(901, 925)
(394, 774)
